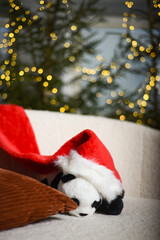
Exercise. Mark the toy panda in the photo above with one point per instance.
(87, 175)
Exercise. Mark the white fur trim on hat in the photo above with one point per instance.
(102, 178)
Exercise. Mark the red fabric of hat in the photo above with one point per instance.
(17, 141)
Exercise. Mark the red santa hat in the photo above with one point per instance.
(87, 157)
(83, 156)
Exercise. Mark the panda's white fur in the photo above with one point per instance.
(82, 190)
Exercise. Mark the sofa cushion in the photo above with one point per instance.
(24, 200)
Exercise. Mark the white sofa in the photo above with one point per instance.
(136, 153)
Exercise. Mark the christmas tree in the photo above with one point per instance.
(143, 53)
(137, 56)
(39, 46)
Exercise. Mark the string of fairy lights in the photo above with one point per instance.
(136, 51)
(150, 80)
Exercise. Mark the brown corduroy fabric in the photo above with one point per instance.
(24, 200)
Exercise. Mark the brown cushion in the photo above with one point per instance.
(24, 200)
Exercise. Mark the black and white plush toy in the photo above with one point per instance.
(87, 175)
(88, 199)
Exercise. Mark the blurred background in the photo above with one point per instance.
(99, 57)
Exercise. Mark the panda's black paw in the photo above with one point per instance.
(114, 207)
